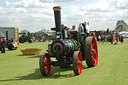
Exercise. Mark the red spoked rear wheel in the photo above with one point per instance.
(44, 63)
(91, 51)
(94, 51)
(77, 62)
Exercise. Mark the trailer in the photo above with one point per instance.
(12, 37)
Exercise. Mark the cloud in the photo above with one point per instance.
(25, 18)
(61, 1)
(28, 4)
(101, 15)
(120, 4)
(27, 14)
(35, 15)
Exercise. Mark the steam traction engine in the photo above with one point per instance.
(69, 50)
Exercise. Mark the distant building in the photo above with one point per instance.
(10, 33)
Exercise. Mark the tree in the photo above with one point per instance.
(121, 25)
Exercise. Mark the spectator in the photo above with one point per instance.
(99, 37)
(0, 43)
(102, 38)
(121, 39)
(105, 38)
(111, 37)
(33, 38)
(114, 40)
(3, 44)
(43, 39)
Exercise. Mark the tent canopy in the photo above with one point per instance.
(1, 34)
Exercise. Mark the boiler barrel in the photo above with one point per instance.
(64, 47)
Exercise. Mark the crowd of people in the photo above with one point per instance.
(2, 44)
(111, 38)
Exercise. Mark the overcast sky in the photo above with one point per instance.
(34, 15)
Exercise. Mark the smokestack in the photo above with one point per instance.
(57, 15)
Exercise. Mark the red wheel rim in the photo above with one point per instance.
(94, 51)
(47, 67)
(79, 63)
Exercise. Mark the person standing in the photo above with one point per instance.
(121, 39)
(102, 38)
(85, 26)
(105, 38)
(43, 39)
(99, 38)
(114, 40)
(3, 43)
(111, 38)
(0, 43)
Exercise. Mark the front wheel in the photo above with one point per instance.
(77, 62)
(44, 63)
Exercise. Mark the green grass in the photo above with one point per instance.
(112, 69)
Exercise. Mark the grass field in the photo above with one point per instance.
(112, 69)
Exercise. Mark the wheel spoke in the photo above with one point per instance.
(92, 49)
(93, 44)
(78, 64)
(46, 69)
(78, 61)
(92, 52)
(94, 60)
(45, 63)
